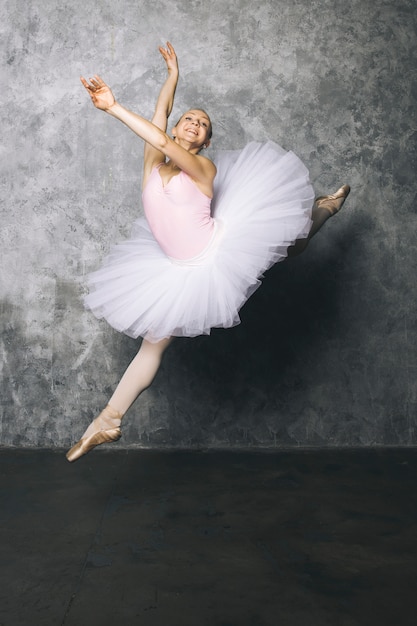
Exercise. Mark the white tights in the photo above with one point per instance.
(139, 375)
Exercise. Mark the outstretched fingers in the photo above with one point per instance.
(95, 83)
(100, 93)
(169, 55)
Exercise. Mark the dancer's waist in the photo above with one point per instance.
(208, 252)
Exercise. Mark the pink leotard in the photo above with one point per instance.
(178, 215)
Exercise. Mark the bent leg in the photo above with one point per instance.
(324, 207)
(318, 216)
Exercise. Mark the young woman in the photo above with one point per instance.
(210, 232)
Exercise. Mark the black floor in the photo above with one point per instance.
(209, 538)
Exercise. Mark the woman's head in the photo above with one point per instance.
(194, 122)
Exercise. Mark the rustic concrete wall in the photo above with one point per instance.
(326, 354)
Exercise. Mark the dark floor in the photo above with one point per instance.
(209, 538)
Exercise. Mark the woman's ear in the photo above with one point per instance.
(174, 132)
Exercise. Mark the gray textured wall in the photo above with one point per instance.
(326, 354)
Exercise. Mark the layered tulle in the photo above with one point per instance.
(262, 204)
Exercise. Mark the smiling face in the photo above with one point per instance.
(194, 127)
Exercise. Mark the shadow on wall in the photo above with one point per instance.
(222, 388)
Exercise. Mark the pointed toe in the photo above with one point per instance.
(333, 202)
(104, 429)
(88, 443)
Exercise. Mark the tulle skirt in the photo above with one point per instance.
(262, 205)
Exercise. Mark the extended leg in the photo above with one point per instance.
(324, 207)
(138, 376)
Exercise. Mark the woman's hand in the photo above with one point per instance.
(100, 93)
(170, 57)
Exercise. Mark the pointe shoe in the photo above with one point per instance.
(333, 202)
(105, 432)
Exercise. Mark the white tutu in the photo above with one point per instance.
(262, 204)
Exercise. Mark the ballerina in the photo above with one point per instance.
(210, 231)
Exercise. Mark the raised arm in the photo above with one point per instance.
(159, 144)
(163, 108)
(165, 100)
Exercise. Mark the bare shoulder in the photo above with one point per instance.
(204, 181)
(207, 165)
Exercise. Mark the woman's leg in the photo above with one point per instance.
(324, 207)
(138, 376)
